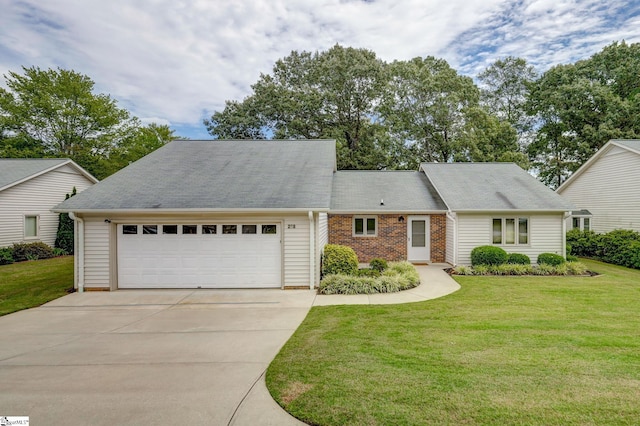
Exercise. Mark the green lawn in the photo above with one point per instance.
(502, 350)
(27, 284)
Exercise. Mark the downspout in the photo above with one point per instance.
(454, 255)
(80, 250)
(566, 216)
(312, 252)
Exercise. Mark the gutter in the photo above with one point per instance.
(189, 211)
(79, 250)
(312, 252)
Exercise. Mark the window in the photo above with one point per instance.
(190, 229)
(31, 226)
(365, 226)
(229, 229)
(149, 229)
(581, 223)
(269, 229)
(510, 231)
(249, 229)
(129, 229)
(169, 229)
(209, 229)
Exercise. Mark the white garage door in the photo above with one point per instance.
(215, 255)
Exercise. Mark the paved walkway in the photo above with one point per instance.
(161, 356)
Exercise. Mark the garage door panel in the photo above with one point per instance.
(199, 260)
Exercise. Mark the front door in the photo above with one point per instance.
(418, 248)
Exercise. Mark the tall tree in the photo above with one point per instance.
(504, 92)
(329, 94)
(425, 106)
(56, 113)
(580, 106)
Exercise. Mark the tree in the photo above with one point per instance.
(579, 107)
(505, 89)
(425, 106)
(66, 231)
(329, 94)
(56, 113)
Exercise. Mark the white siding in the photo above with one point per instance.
(545, 235)
(36, 197)
(450, 255)
(96, 253)
(609, 190)
(296, 251)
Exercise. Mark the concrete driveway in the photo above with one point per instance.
(148, 357)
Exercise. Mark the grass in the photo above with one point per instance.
(502, 350)
(24, 285)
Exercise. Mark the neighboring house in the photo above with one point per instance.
(29, 189)
(606, 189)
(246, 214)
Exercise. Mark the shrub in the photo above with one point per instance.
(463, 270)
(347, 284)
(59, 252)
(31, 251)
(406, 271)
(378, 264)
(576, 268)
(518, 259)
(583, 243)
(367, 273)
(488, 255)
(387, 284)
(562, 269)
(618, 247)
(337, 259)
(550, 259)
(544, 269)
(64, 236)
(6, 256)
(481, 270)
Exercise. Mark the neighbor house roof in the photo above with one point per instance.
(384, 191)
(218, 175)
(632, 145)
(14, 171)
(492, 187)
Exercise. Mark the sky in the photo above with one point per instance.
(175, 62)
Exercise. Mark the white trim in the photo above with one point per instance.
(79, 256)
(190, 211)
(454, 219)
(312, 254)
(24, 227)
(365, 219)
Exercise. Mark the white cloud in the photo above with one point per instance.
(177, 61)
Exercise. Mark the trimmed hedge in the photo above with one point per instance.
(550, 259)
(337, 259)
(518, 259)
(488, 255)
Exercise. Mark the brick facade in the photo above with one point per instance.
(391, 241)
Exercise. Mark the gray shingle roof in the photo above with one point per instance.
(492, 186)
(402, 191)
(14, 170)
(232, 174)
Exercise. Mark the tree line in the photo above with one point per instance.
(395, 115)
(383, 115)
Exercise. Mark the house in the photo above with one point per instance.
(247, 214)
(29, 189)
(606, 189)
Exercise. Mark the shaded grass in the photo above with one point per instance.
(502, 350)
(24, 285)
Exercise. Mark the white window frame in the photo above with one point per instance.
(581, 222)
(503, 227)
(24, 226)
(364, 226)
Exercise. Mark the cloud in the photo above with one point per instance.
(179, 60)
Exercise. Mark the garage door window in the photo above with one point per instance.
(129, 229)
(249, 229)
(169, 229)
(269, 229)
(209, 229)
(229, 229)
(190, 229)
(149, 229)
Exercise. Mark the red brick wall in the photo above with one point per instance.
(391, 241)
(438, 238)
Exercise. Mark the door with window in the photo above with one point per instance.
(418, 244)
